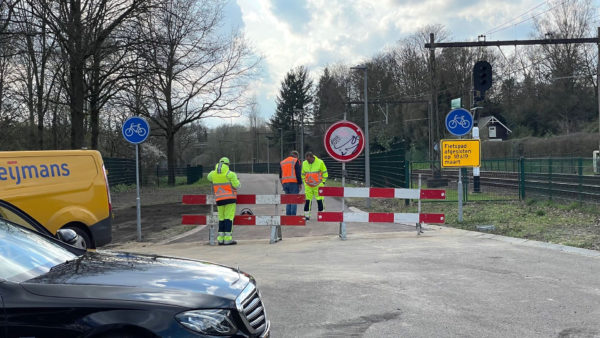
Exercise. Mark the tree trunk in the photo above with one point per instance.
(95, 102)
(30, 107)
(40, 114)
(77, 94)
(76, 77)
(171, 157)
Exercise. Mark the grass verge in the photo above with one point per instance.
(562, 223)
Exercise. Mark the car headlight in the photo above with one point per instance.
(211, 322)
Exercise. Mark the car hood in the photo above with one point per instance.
(133, 277)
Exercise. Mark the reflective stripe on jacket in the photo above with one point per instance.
(314, 174)
(288, 170)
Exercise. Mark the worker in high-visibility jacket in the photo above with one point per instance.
(225, 184)
(314, 175)
(291, 180)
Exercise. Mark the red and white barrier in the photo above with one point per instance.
(246, 220)
(416, 194)
(379, 217)
(246, 199)
(274, 221)
(382, 217)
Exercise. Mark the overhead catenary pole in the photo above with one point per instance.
(483, 43)
(433, 87)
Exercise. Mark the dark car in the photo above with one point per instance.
(51, 289)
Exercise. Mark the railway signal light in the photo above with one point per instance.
(482, 76)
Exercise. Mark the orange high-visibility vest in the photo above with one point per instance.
(224, 191)
(313, 178)
(288, 170)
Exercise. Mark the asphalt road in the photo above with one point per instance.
(445, 283)
(264, 184)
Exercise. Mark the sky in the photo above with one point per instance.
(317, 33)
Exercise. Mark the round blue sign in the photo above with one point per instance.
(135, 130)
(459, 122)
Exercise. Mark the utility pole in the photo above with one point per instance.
(281, 143)
(367, 148)
(301, 111)
(268, 169)
(434, 132)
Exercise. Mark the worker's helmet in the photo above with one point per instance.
(224, 160)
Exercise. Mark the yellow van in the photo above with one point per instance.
(60, 189)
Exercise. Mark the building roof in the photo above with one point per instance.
(491, 119)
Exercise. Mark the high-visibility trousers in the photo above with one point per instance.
(309, 193)
(226, 215)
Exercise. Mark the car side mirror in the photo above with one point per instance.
(68, 236)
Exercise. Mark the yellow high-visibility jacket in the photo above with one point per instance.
(315, 174)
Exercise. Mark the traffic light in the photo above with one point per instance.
(482, 76)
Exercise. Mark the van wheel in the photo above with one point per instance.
(84, 242)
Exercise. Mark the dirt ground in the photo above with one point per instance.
(161, 214)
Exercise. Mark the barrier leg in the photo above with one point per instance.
(212, 240)
(275, 230)
(273, 235)
(211, 235)
(343, 231)
(419, 226)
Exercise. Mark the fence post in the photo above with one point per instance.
(157, 177)
(407, 178)
(521, 178)
(550, 178)
(580, 177)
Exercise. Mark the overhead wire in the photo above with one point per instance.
(499, 27)
(525, 20)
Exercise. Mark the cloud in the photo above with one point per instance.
(314, 33)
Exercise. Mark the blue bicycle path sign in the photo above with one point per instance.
(135, 130)
(459, 122)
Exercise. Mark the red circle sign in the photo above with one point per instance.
(344, 141)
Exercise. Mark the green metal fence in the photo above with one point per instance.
(570, 179)
(122, 171)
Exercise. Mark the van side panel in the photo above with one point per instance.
(57, 187)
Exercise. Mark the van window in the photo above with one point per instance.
(10, 215)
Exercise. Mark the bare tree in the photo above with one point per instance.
(82, 27)
(37, 48)
(195, 72)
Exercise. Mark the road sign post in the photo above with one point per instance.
(344, 141)
(135, 130)
(459, 122)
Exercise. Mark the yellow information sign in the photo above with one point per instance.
(460, 153)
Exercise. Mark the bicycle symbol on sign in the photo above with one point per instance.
(135, 128)
(459, 121)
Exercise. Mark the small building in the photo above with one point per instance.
(490, 128)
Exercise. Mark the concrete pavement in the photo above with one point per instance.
(445, 283)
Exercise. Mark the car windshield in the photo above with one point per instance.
(25, 254)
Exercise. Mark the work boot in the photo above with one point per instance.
(230, 243)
